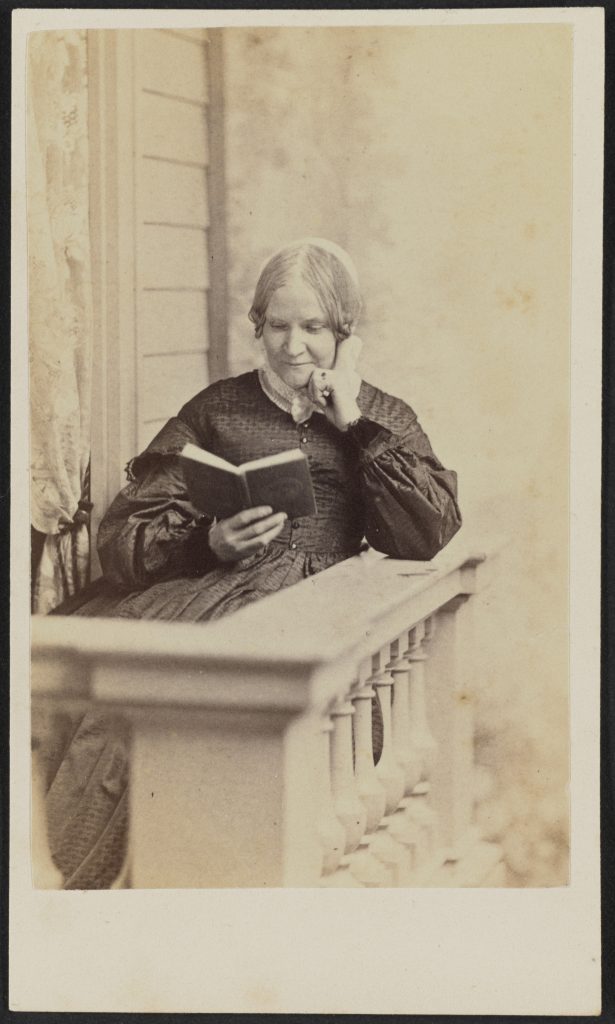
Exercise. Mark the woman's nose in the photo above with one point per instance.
(294, 342)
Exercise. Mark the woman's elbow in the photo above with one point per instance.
(414, 540)
(451, 525)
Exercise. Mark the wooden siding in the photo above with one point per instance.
(172, 322)
(172, 221)
(156, 146)
(167, 381)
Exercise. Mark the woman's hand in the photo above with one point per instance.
(245, 533)
(335, 391)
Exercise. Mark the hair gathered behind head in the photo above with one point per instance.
(326, 268)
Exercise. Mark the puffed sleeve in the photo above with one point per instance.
(151, 531)
(410, 498)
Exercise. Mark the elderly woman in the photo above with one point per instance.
(374, 475)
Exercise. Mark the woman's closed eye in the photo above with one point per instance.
(311, 327)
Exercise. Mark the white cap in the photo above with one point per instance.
(321, 243)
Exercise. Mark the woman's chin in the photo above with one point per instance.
(297, 378)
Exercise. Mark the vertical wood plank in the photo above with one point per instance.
(112, 207)
(218, 301)
(123, 362)
(99, 454)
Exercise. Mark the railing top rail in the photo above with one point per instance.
(321, 619)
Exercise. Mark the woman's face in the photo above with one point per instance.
(296, 334)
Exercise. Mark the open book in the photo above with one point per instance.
(220, 489)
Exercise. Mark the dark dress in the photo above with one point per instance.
(380, 481)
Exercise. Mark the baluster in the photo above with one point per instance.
(348, 808)
(394, 854)
(421, 738)
(408, 756)
(364, 865)
(402, 826)
(331, 833)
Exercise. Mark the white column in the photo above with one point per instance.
(348, 807)
(395, 855)
(349, 810)
(423, 743)
(408, 755)
(331, 833)
(403, 827)
(364, 865)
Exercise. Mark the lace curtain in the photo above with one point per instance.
(59, 310)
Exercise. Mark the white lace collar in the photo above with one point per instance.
(297, 404)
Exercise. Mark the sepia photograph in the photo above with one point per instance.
(299, 328)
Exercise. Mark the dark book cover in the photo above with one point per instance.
(282, 481)
(286, 486)
(214, 490)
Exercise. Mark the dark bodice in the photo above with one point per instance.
(260, 428)
(380, 480)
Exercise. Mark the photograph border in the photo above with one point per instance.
(437, 923)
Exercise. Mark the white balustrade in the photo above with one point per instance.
(243, 731)
(348, 807)
(331, 832)
(422, 741)
(408, 756)
(369, 787)
(391, 850)
(403, 826)
(365, 866)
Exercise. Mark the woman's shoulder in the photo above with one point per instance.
(217, 397)
(381, 407)
(221, 390)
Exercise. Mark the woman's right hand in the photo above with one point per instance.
(245, 533)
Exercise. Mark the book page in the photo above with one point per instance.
(273, 460)
(190, 451)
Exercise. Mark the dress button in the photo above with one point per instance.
(293, 546)
(296, 524)
(304, 440)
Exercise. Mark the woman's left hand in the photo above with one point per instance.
(335, 391)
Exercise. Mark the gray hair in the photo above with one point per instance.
(326, 268)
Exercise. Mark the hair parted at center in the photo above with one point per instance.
(334, 283)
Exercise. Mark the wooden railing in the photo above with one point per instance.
(254, 733)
